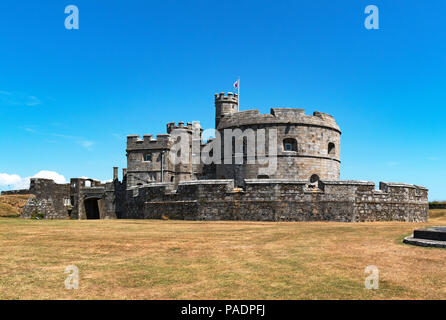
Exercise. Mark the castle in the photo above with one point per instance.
(282, 166)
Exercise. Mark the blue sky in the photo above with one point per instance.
(68, 98)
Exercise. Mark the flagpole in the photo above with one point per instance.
(238, 88)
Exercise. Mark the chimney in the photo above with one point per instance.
(115, 173)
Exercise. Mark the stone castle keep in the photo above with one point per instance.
(282, 166)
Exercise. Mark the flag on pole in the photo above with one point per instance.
(237, 86)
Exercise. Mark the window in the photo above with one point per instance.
(314, 178)
(289, 144)
(262, 176)
(331, 149)
(148, 157)
(87, 184)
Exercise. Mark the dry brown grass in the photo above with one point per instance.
(12, 205)
(150, 259)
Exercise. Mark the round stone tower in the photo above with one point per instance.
(224, 105)
(304, 147)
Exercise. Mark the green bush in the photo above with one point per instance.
(37, 215)
(437, 205)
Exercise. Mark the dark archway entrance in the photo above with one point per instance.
(92, 208)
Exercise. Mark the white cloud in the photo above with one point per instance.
(58, 178)
(9, 179)
(14, 181)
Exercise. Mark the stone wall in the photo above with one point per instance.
(141, 170)
(15, 192)
(49, 201)
(279, 200)
(258, 200)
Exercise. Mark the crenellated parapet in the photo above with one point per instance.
(229, 97)
(285, 200)
(225, 105)
(279, 116)
(162, 141)
(179, 126)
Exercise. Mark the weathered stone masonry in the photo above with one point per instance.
(280, 200)
(305, 186)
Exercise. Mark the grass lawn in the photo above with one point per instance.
(151, 259)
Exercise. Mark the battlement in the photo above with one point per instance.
(323, 115)
(85, 183)
(287, 112)
(162, 141)
(287, 200)
(341, 188)
(230, 97)
(180, 126)
(278, 116)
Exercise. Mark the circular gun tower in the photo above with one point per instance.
(305, 147)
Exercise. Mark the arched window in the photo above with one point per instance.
(289, 144)
(314, 178)
(87, 184)
(331, 149)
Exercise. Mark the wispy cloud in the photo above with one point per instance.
(86, 144)
(28, 129)
(79, 140)
(15, 98)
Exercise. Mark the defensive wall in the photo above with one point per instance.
(278, 200)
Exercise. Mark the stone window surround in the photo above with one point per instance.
(291, 143)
